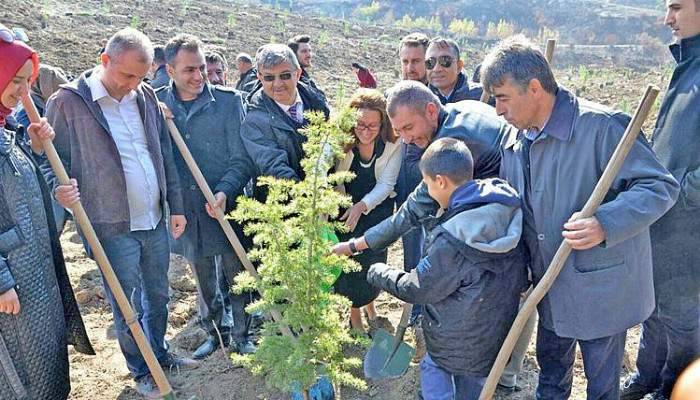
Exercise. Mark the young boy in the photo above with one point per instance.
(471, 277)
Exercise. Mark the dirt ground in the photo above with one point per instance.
(105, 376)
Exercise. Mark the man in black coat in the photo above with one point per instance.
(270, 131)
(301, 46)
(670, 337)
(209, 119)
(447, 79)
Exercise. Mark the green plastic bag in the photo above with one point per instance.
(334, 271)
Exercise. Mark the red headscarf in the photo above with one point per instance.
(13, 55)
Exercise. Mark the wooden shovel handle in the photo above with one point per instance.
(555, 267)
(103, 263)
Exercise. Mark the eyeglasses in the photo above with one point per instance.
(362, 127)
(284, 76)
(444, 61)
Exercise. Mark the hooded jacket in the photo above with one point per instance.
(470, 278)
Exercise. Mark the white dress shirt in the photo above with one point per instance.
(125, 125)
(298, 103)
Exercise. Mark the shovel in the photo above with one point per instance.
(389, 356)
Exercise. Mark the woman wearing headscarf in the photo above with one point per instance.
(375, 159)
(364, 76)
(39, 316)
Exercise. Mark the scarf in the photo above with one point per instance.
(13, 54)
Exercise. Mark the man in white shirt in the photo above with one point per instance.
(111, 136)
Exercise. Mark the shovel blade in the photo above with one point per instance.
(379, 362)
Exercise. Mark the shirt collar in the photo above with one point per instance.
(561, 120)
(287, 107)
(99, 91)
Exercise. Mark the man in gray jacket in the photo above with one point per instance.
(554, 161)
(671, 336)
(209, 118)
(112, 139)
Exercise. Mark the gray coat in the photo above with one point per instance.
(676, 140)
(90, 155)
(607, 289)
(478, 126)
(211, 130)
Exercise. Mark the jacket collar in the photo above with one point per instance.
(561, 122)
(461, 84)
(686, 48)
(204, 98)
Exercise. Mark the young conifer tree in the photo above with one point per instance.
(291, 237)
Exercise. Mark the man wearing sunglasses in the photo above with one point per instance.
(444, 68)
(270, 131)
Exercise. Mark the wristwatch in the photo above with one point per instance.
(353, 248)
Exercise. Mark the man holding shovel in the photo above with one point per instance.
(209, 118)
(112, 139)
(554, 161)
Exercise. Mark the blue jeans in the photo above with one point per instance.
(602, 362)
(140, 260)
(438, 384)
(670, 341)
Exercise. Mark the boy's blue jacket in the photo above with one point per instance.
(472, 275)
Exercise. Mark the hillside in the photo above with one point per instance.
(68, 33)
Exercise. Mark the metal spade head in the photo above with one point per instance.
(389, 356)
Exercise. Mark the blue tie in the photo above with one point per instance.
(293, 112)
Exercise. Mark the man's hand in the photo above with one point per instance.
(220, 203)
(583, 234)
(177, 225)
(166, 111)
(9, 302)
(38, 132)
(343, 248)
(353, 214)
(67, 195)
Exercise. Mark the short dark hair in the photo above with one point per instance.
(213, 57)
(410, 94)
(244, 57)
(415, 39)
(448, 157)
(518, 59)
(159, 55)
(293, 43)
(182, 41)
(444, 43)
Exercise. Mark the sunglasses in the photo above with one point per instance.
(444, 61)
(284, 76)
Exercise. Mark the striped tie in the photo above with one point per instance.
(293, 112)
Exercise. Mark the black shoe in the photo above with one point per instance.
(631, 390)
(243, 346)
(177, 363)
(507, 390)
(207, 348)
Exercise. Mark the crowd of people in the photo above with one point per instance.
(480, 193)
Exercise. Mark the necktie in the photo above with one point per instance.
(293, 112)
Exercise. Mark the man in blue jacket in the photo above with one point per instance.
(554, 161)
(670, 337)
(209, 118)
